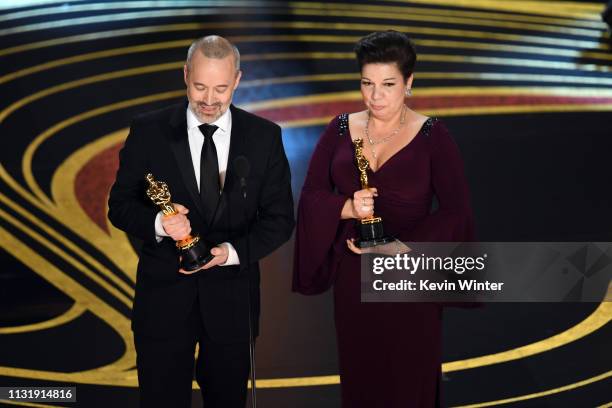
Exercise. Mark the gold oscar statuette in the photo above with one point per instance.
(371, 228)
(193, 251)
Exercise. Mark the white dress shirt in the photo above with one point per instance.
(221, 137)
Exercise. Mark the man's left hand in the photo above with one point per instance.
(220, 257)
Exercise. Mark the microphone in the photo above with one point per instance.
(242, 168)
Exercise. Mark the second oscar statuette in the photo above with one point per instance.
(371, 229)
(193, 251)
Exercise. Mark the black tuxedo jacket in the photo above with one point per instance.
(158, 144)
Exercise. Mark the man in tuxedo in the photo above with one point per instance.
(192, 147)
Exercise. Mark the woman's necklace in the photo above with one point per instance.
(386, 138)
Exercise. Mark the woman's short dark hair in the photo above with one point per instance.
(384, 47)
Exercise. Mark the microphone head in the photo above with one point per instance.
(242, 167)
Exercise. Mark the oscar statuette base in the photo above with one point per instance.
(194, 253)
(372, 233)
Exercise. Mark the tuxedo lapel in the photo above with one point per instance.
(237, 148)
(180, 148)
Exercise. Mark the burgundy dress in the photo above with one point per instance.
(389, 353)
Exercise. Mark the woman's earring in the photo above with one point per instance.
(408, 92)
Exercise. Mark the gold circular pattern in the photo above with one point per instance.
(544, 42)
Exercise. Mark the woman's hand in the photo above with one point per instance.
(351, 245)
(392, 248)
(361, 205)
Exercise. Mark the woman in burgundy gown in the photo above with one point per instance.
(389, 353)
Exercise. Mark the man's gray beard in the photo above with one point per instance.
(194, 110)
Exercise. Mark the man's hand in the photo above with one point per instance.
(177, 226)
(220, 257)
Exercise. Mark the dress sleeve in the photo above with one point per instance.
(319, 223)
(453, 220)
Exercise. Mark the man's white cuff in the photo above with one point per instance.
(160, 232)
(232, 257)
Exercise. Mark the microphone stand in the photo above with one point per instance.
(248, 262)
